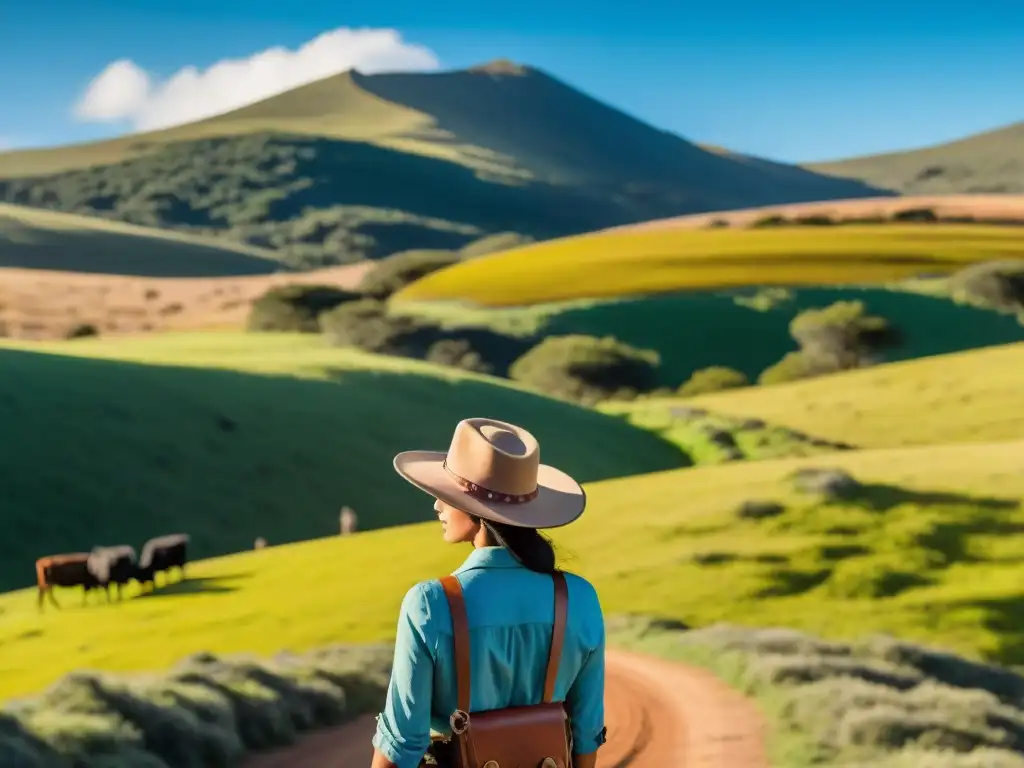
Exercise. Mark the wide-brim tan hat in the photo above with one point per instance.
(492, 470)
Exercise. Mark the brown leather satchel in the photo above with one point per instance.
(534, 736)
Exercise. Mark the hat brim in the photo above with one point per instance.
(560, 499)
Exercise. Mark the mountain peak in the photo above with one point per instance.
(500, 67)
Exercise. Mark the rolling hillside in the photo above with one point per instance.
(747, 330)
(983, 163)
(357, 166)
(234, 436)
(646, 261)
(45, 240)
(974, 396)
(837, 567)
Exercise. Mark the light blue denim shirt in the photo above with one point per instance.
(510, 613)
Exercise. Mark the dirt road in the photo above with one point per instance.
(659, 714)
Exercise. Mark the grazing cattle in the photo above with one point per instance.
(160, 555)
(71, 570)
(112, 565)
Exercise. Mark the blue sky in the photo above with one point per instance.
(791, 80)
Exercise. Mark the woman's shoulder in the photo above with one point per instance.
(582, 592)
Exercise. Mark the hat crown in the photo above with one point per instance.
(495, 455)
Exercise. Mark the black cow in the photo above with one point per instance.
(160, 555)
(112, 565)
(71, 570)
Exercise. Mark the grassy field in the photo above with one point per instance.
(112, 442)
(745, 330)
(643, 262)
(668, 544)
(40, 239)
(973, 396)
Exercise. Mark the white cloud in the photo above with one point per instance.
(125, 92)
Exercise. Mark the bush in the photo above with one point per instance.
(398, 270)
(82, 331)
(878, 702)
(502, 241)
(794, 366)
(296, 308)
(997, 285)
(366, 325)
(838, 337)
(771, 220)
(831, 484)
(457, 353)
(587, 369)
(714, 379)
(758, 509)
(206, 713)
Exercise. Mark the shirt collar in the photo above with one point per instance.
(489, 557)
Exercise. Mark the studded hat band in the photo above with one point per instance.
(486, 494)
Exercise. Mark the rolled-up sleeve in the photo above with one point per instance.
(585, 702)
(403, 728)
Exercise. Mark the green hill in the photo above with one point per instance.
(38, 239)
(696, 330)
(974, 396)
(671, 544)
(357, 166)
(984, 162)
(114, 442)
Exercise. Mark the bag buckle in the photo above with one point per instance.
(459, 721)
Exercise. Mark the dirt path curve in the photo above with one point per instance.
(659, 714)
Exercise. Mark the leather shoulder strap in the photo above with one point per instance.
(557, 635)
(460, 638)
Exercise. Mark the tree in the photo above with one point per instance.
(391, 274)
(587, 369)
(713, 379)
(296, 308)
(839, 337)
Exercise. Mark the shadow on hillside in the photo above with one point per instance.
(294, 175)
(159, 459)
(198, 586)
(880, 497)
(572, 138)
(96, 251)
(1004, 617)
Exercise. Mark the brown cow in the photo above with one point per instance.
(70, 570)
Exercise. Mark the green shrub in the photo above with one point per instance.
(916, 215)
(295, 308)
(587, 369)
(876, 702)
(365, 324)
(838, 337)
(457, 353)
(771, 220)
(714, 379)
(206, 713)
(398, 270)
(82, 331)
(501, 241)
(997, 285)
(793, 366)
